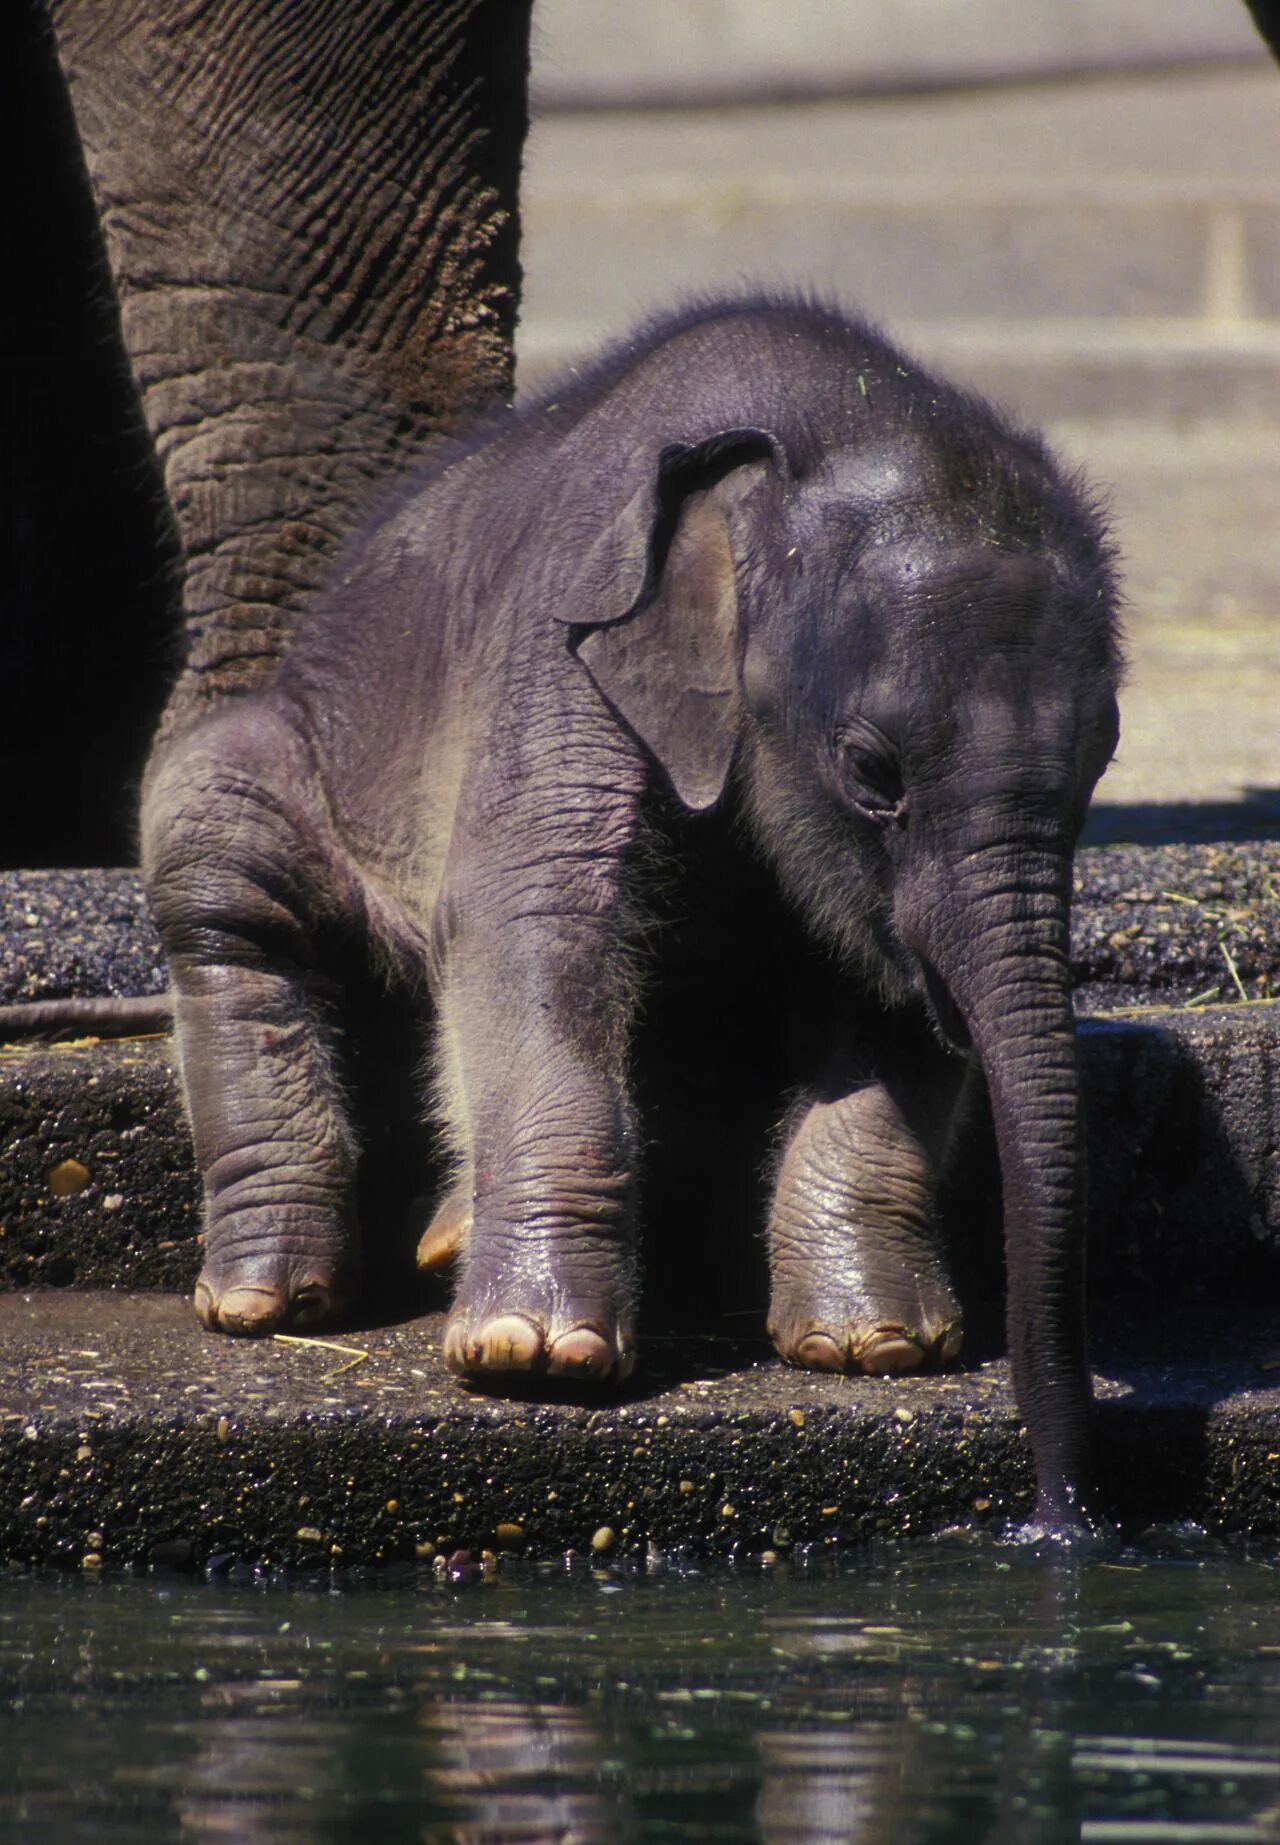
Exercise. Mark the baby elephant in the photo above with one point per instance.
(760, 556)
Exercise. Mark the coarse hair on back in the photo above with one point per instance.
(839, 371)
(817, 378)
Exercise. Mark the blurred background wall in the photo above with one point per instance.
(623, 52)
(1072, 204)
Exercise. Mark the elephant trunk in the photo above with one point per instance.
(1001, 952)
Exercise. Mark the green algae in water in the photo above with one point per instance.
(943, 1693)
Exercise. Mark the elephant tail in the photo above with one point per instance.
(134, 1015)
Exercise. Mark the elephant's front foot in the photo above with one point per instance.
(505, 1345)
(556, 1313)
(279, 1279)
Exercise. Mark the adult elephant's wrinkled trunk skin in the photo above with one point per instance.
(999, 946)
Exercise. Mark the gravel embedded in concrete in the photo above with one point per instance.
(123, 1419)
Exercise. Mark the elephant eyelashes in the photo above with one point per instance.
(871, 781)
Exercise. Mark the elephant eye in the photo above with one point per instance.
(870, 775)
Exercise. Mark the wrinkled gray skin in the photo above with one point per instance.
(311, 230)
(760, 555)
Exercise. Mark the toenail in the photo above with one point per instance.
(509, 1343)
(583, 1351)
(950, 1344)
(820, 1352)
(890, 1349)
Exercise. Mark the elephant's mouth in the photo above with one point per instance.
(943, 1009)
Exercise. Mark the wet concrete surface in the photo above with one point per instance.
(1182, 1128)
(97, 1181)
(129, 1436)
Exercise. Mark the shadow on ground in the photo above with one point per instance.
(1256, 815)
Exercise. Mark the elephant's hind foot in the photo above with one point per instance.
(859, 1270)
(447, 1235)
(875, 1347)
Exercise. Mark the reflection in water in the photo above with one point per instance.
(255, 1777)
(837, 1787)
(519, 1774)
(500, 1773)
(930, 1694)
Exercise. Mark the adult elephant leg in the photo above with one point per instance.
(243, 889)
(1266, 16)
(859, 1276)
(311, 226)
(310, 218)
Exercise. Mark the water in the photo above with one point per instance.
(944, 1693)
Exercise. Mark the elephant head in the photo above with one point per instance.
(905, 650)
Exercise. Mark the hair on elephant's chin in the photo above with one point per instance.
(835, 892)
(947, 1018)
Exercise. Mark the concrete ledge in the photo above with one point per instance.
(1094, 258)
(1072, 248)
(129, 1436)
(97, 1180)
(1182, 1121)
(1149, 923)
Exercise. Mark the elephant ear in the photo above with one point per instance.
(663, 646)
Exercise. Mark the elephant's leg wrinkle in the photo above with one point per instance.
(547, 1272)
(276, 1152)
(545, 1237)
(274, 1146)
(859, 1275)
(234, 886)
